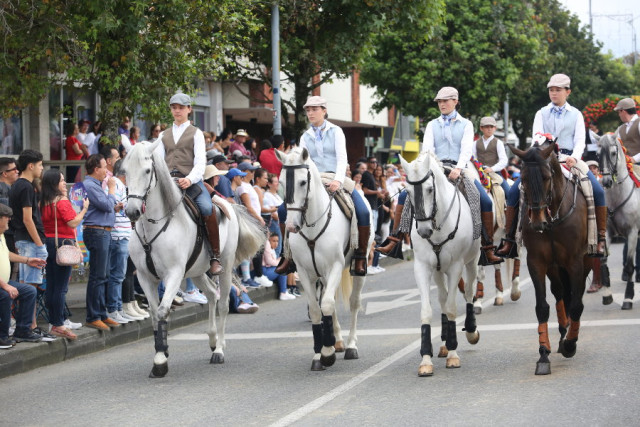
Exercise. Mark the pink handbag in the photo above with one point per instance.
(66, 254)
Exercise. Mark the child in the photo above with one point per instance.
(270, 262)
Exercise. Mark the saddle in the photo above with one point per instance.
(470, 193)
(345, 203)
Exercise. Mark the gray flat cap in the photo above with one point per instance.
(315, 101)
(5, 210)
(181, 99)
(488, 121)
(625, 104)
(559, 80)
(447, 92)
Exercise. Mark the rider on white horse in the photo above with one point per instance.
(566, 123)
(326, 145)
(450, 137)
(183, 148)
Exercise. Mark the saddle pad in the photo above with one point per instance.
(223, 208)
(499, 201)
(342, 197)
(470, 193)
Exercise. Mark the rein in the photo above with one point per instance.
(555, 219)
(614, 174)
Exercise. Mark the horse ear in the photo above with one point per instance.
(516, 151)
(305, 154)
(154, 145)
(597, 137)
(124, 140)
(403, 162)
(546, 152)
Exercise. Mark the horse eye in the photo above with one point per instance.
(147, 171)
(303, 183)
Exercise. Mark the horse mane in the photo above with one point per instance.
(533, 158)
(168, 189)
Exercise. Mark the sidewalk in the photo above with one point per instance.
(27, 356)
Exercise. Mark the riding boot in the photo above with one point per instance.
(360, 255)
(601, 224)
(397, 236)
(213, 232)
(286, 265)
(487, 240)
(507, 247)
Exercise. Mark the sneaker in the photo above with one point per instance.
(371, 270)
(29, 336)
(285, 296)
(115, 316)
(263, 281)
(250, 283)
(245, 308)
(137, 308)
(63, 332)
(380, 269)
(110, 322)
(46, 337)
(72, 325)
(97, 324)
(295, 291)
(128, 317)
(179, 301)
(196, 297)
(5, 343)
(180, 293)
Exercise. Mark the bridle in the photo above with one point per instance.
(606, 154)
(143, 198)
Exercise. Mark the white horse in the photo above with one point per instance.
(319, 238)
(512, 265)
(165, 241)
(445, 251)
(623, 201)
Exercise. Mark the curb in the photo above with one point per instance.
(25, 357)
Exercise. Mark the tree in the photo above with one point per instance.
(480, 49)
(131, 52)
(325, 40)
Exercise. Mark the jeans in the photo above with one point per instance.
(204, 200)
(486, 205)
(24, 314)
(505, 187)
(362, 214)
(97, 242)
(57, 284)
(118, 254)
(28, 249)
(235, 301)
(271, 274)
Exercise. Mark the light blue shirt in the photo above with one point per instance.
(329, 151)
(100, 211)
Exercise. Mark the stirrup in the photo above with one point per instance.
(221, 268)
(484, 260)
(598, 254)
(513, 251)
(286, 266)
(352, 269)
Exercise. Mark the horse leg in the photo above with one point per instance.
(630, 256)
(515, 281)
(208, 287)
(607, 298)
(470, 327)
(315, 314)
(477, 299)
(328, 307)
(574, 284)
(499, 289)
(442, 297)
(354, 305)
(423, 280)
(449, 307)
(149, 285)
(543, 366)
(337, 333)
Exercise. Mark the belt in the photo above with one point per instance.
(566, 152)
(98, 227)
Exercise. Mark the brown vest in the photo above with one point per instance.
(179, 156)
(488, 156)
(631, 139)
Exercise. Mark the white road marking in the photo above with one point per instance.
(401, 301)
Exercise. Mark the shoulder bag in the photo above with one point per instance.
(67, 254)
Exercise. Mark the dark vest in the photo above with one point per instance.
(488, 156)
(631, 139)
(179, 156)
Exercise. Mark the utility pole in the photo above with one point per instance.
(275, 68)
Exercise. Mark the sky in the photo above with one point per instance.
(614, 22)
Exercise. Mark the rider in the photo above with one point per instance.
(326, 145)
(450, 137)
(183, 148)
(566, 123)
(489, 150)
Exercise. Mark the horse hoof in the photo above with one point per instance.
(543, 368)
(477, 310)
(627, 305)
(568, 348)
(425, 370)
(328, 360)
(351, 354)
(443, 351)
(316, 365)
(516, 296)
(453, 362)
(339, 346)
(607, 300)
(473, 337)
(498, 301)
(159, 371)
(217, 359)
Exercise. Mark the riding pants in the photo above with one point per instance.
(513, 197)
(204, 200)
(486, 205)
(362, 213)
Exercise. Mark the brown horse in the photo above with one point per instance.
(554, 231)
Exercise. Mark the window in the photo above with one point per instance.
(11, 134)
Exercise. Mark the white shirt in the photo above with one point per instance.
(636, 158)
(199, 152)
(502, 154)
(466, 145)
(578, 135)
(90, 142)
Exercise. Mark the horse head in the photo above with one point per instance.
(611, 158)
(138, 166)
(536, 176)
(422, 190)
(296, 176)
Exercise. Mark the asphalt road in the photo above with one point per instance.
(266, 378)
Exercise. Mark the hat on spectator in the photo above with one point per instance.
(242, 132)
(559, 80)
(315, 101)
(488, 121)
(246, 166)
(217, 158)
(211, 171)
(233, 172)
(447, 92)
(180, 99)
(592, 163)
(625, 104)
(5, 210)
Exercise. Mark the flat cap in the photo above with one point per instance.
(488, 121)
(180, 99)
(219, 158)
(592, 163)
(5, 210)
(315, 101)
(559, 80)
(625, 104)
(447, 92)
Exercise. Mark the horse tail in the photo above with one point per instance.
(251, 234)
(346, 287)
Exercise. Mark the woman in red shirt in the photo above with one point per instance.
(54, 203)
(75, 150)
